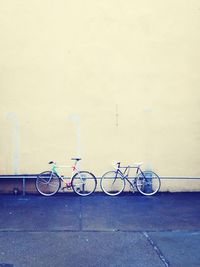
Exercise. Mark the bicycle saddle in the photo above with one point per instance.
(76, 159)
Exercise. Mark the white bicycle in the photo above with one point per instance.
(83, 183)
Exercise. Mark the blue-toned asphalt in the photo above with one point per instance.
(128, 230)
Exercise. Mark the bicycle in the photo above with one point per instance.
(146, 182)
(83, 183)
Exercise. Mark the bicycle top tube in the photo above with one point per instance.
(55, 167)
(136, 165)
(67, 166)
(126, 169)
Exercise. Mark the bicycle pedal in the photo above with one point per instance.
(66, 188)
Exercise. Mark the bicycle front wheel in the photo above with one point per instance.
(47, 183)
(84, 183)
(148, 183)
(112, 183)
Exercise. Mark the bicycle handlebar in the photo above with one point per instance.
(76, 159)
(136, 165)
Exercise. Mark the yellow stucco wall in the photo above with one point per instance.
(107, 80)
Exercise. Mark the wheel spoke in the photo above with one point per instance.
(112, 183)
(47, 183)
(84, 183)
(148, 183)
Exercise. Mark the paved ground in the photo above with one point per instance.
(129, 230)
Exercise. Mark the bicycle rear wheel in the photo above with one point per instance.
(47, 183)
(148, 183)
(84, 183)
(112, 183)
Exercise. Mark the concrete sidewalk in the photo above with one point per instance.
(128, 230)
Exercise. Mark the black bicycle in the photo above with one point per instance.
(146, 182)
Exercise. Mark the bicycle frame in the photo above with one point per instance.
(125, 173)
(146, 182)
(50, 182)
(74, 168)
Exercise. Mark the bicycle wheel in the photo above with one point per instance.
(47, 183)
(112, 183)
(148, 183)
(84, 183)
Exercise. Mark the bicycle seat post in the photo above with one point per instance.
(76, 160)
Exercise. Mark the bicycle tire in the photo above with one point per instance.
(112, 183)
(47, 183)
(84, 183)
(148, 183)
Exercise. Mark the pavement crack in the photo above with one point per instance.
(157, 250)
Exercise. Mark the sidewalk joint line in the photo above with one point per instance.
(156, 249)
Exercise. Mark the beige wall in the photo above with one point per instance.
(67, 68)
